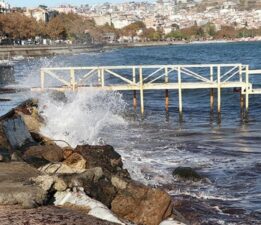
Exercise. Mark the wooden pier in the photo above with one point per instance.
(139, 78)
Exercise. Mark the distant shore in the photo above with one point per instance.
(165, 43)
(10, 52)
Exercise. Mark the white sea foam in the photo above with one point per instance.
(82, 118)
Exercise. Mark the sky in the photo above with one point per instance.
(34, 3)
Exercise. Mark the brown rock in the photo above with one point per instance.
(103, 156)
(16, 186)
(52, 153)
(142, 205)
(76, 162)
(67, 152)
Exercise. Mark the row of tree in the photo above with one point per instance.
(64, 26)
(209, 31)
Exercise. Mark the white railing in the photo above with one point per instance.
(150, 77)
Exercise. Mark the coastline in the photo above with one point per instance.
(9, 52)
(166, 43)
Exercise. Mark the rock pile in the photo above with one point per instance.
(34, 172)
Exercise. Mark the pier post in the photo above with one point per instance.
(180, 91)
(102, 78)
(247, 89)
(134, 92)
(219, 91)
(166, 91)
(211, 91)
(241, 100)
(72, 74)
(42, 79)
(141, 92)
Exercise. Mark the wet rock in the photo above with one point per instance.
(102, 190)
(142, 205)
(186, 173)
(16, 186)
(93, 207)
(52, 153)
(17, 133)
(48, 215)
(102, 156)
(76, 162)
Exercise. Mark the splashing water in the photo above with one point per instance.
(81, 118)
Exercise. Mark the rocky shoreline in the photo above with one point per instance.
(46, 184)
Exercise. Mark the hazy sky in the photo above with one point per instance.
(30, 3)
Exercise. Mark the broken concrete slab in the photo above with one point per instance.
(17, 133)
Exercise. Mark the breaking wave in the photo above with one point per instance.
(81, 117)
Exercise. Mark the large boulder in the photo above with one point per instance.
(75, 161)
(142, 205)
(17, 133)
(51, 153)
(16, 186)
(103, 156)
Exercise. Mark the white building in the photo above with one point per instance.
(4, 6)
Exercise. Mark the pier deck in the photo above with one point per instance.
(154, 77)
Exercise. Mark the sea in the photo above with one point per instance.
(226, 152)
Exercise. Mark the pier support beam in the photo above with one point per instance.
(242, 103)
(211, 91)
(135, 100)
(141, 92)
(247, 89)
(180, 91)
(212, 100)
(167, 100)
(166, 91)
(218, 91)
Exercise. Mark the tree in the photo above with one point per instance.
(132, 29)
(56, 29)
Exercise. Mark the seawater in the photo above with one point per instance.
(227, 153)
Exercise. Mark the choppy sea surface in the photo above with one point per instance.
(227, 153)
